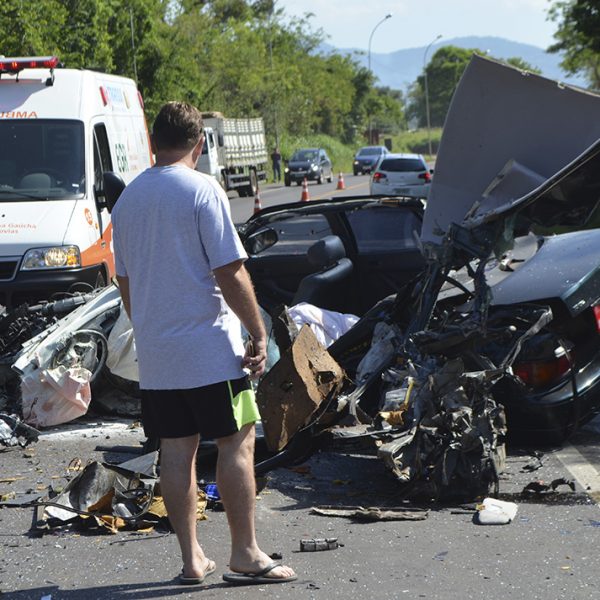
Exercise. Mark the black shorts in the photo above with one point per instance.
(213, 411)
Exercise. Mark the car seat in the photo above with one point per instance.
(329, 286)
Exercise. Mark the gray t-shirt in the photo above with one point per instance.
(171, 228)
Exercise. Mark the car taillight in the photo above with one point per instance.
(379, 176)
(596, 310)
(426, 176)
(542, 373)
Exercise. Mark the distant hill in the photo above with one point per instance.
(401, 68)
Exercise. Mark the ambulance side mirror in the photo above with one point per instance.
(113, 185)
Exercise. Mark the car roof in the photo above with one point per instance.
(336, 203)
(402, 155)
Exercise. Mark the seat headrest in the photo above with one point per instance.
(36, 180)
(326, 252)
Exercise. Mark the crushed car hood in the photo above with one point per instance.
(514, 142)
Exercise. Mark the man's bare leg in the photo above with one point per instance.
(179, 490)
(237, 488)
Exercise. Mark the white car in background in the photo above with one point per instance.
(401, 175)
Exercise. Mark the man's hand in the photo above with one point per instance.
(255, 358)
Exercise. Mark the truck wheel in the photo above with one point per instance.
(253, 187)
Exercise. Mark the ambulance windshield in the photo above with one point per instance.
(41, 158)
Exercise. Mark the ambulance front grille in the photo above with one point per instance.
(8, 269)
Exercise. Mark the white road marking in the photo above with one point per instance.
(584, 473)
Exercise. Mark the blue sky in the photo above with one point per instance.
(415, 23)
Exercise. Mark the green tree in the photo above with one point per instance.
(578, 37)
(444, 71)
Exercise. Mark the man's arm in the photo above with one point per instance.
(236, 286)
(124, 289)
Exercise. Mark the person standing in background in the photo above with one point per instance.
(276, 160)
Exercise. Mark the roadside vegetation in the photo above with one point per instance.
(248, 58)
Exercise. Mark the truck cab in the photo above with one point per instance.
(61, 132)
(209, 159)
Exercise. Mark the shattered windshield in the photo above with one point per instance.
(41, 158)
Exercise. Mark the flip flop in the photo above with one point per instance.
(183, 580)
(259, 577)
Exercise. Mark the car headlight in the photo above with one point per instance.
(356, 162)
(286, 170)
(56, 257)
(314, 167)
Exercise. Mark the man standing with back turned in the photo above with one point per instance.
(180, 269)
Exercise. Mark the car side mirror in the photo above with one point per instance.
(260, 241)
(431, 171)
(113, 185)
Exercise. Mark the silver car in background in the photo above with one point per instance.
(401, 175)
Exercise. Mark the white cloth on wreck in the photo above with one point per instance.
(327, 325)
(171, 227)
(121, 358)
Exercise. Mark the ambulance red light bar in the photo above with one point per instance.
(14, 65)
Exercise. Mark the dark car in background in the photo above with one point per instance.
(312, 164)
(366, 158)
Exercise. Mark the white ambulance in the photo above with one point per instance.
(61, 132)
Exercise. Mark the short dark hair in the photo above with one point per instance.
(178, 126)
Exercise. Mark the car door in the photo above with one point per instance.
(325, 164)
(387, 252)
(277, 271)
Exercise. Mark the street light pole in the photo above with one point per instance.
(388, 16)
(427, 93)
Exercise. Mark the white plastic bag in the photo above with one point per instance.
(55, 396)
(496, 512)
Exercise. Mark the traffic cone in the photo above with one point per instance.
(257, 204)
(305, 197)
(340, 183)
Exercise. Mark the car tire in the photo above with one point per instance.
(355, 172)
(320, 178)
(287, 183)
(330, 178)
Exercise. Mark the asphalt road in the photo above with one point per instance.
(276, 193)
(549, 552)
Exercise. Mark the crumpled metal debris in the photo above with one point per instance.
(372, 513)
(110, 496)
(537, 488)
(318, 544)
(14, 432)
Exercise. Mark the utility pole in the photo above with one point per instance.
(427, 93)
(388, 16)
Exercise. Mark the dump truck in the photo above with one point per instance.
(234, 152)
